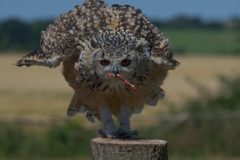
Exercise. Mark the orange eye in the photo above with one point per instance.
(104, 62)
(125, 62)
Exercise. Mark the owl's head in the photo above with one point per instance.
(115, 53)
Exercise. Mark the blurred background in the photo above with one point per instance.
(200, 116)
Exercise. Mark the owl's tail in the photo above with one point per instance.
(156, 95)
(77, 107)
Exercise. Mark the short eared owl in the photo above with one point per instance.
(114, 58)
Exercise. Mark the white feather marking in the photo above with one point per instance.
(82, 43)
(157, 60)
(147, 51)
(71, 31)
(54, 62)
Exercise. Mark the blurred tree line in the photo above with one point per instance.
(19, 35)
(196, 22)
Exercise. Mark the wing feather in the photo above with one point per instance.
(56, 44)
(72, 30)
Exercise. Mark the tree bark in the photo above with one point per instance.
(129, 149)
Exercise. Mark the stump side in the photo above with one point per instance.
(129, 149)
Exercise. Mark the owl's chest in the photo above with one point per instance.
(112, 94)
(108, 87)
(95, 94)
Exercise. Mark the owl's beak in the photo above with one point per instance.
(115, 71)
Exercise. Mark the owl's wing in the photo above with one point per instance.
(127, 18)
(69, 34)
(75, 106)
(57, 43)
(161, 52)
(72, 30)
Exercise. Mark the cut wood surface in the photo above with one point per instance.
(129, 149)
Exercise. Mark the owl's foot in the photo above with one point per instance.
(103, 134)
(118, 134)
(126, 134)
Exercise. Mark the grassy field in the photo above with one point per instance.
(204, 41)
(33, 101)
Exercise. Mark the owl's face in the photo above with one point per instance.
(114, 53)
(124, 64)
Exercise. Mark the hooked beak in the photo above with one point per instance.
(115, 71)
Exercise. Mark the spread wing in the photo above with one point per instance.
(71, 32)
(132, 20)
(56, 43)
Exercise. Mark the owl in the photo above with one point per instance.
(114, 58)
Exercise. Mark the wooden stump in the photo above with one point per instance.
(129, 149)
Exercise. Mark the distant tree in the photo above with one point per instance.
(14, 34)
(36, 28)
(157, 22)
(19, 35)
(184, 22)
(233, 23)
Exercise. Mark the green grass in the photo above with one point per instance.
(59, 140)
(203, 41)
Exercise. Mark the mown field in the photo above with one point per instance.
(33, 104)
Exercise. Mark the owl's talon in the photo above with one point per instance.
(120, 132)
(127, 134)
(102, 134)
(134, 133)
(113, 136)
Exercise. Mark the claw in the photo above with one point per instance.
(118, 134)
(126, 134)
(134, 133)
(112, 136)
(102, 134)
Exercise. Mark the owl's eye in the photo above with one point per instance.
(126, 62)
(104, 62)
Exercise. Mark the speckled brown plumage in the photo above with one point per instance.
(73, 29)
(93, 32)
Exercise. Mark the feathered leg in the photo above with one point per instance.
(124, 120)
(109, 126)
